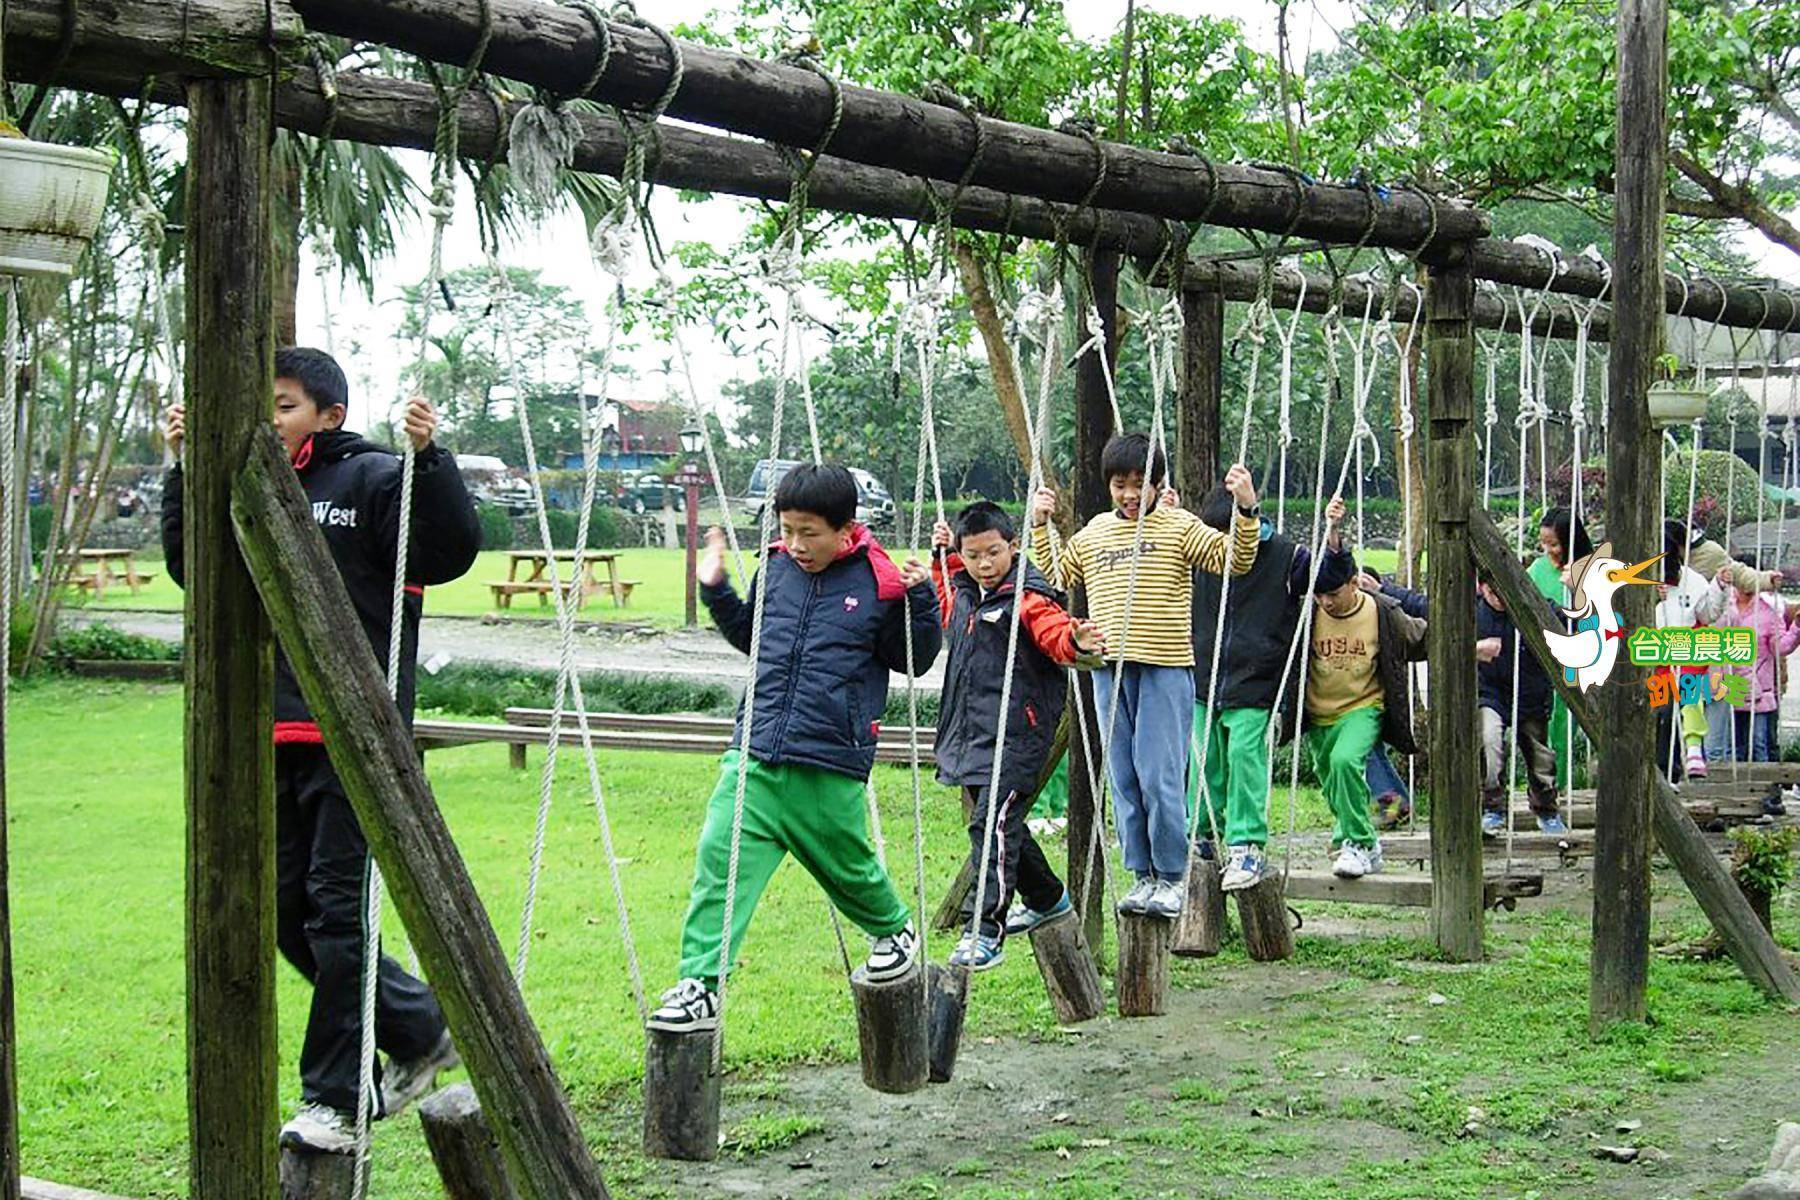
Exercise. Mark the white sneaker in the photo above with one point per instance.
(1375, 863)
(1353, 862)
(320, 1129)
(1696, 763)
(1137, 900)
(404, 1082)
(1166, 899)
(892, 956)
(1244, 868)
(688, 1007)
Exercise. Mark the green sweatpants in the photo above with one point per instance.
(817, 816)
(1340, 751)
(1237, 775)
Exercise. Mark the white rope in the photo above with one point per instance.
(1285, 417)
(443, 199)
(1404, 403)
(150, 222)
(1096, 331)
(9, 486)
(1490, 419)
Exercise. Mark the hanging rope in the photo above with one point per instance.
(9, 485)
(1285, 416)
(1490, 418)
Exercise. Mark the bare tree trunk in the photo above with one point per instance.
(1007, 386)
(289, 203)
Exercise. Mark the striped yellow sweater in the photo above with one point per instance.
(1098, 558)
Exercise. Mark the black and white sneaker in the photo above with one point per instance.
(404, 1082)
(688, 1007)
(320, 1129)
(892, 956)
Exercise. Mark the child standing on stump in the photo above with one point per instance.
(1355, 693)
(1153, 674)
(322, 859)
(1259, 627)
(979, 581)
(834, 624)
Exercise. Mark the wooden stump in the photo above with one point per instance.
(948, 1005)
(1201, 925)
(1142, 984)
(463, 1146)
(1068, 969)
(1262, 911)
(306, 1175)
(891, 1027)
(681, 1096)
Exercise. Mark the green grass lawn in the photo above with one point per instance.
(96, 878)
(659, 598)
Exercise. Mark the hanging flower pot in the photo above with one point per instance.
(51, 198)
(1677, 402)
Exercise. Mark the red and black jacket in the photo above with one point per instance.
(978, 627)
(354, 487)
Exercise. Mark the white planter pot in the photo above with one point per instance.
(1677, 403)
(51, 198)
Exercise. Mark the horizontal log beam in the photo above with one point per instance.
(1745, 938)
(178, 38)
(557, 47)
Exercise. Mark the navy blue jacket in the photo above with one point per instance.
(1494, 679)
(829, 641)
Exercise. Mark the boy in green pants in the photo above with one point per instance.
(833, 627)
(1361, 643)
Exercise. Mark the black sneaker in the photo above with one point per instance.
(1772, 804)
(688, 1007)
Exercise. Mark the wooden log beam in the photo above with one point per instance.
(1404, 889)
(557, 47)
(1456, 902)
(1748, 943)
(1197, 403)
(229, 759)
(1619, 975)
(43, 1189)
(372, 752)
(193, 39)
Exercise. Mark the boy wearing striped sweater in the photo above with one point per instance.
(1151, 646)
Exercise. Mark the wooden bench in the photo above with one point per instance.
(504, 591)
(621, 590)
(1407, 889)
(437, 735)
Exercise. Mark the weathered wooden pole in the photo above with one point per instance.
(229, 762)
(1456, 916)
(1093, 425)
(1620, 965)
(373, 754)
(1197, 411)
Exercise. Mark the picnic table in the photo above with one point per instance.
(97, 568)
(535, 566)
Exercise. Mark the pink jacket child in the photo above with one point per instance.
(1776, 638)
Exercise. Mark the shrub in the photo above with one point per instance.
(109, 643)
(488, 690)
(1716, 467)
(496, 527)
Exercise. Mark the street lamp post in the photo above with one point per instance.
(690, 479)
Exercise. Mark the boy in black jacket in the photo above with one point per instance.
(984, 576)
(322, 859)
(834, 624)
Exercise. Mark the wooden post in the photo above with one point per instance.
(463, 1146)
(891, 1029)
(229, 760)
(310, 1175)
(373, 754)
(1093, 425)
(1068, 970)
(947, 1004)
(1141, 983)
(1201, 925)
(515, 756)
(1620, 967)
(681, 1096)
(1748, 943)
(1456, 917)
(1263, 914)
(1197, 420)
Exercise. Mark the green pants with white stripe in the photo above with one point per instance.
(1237, 775)
(817, 816)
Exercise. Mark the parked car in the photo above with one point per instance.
(874, 506)
(640, 494)
(491, 481)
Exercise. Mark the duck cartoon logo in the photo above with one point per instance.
(1588, 654)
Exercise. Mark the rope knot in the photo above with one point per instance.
(613, 246)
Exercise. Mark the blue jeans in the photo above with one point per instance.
(1718, 730)
(1383, 779)
(1756, 736)
(1147, 763)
